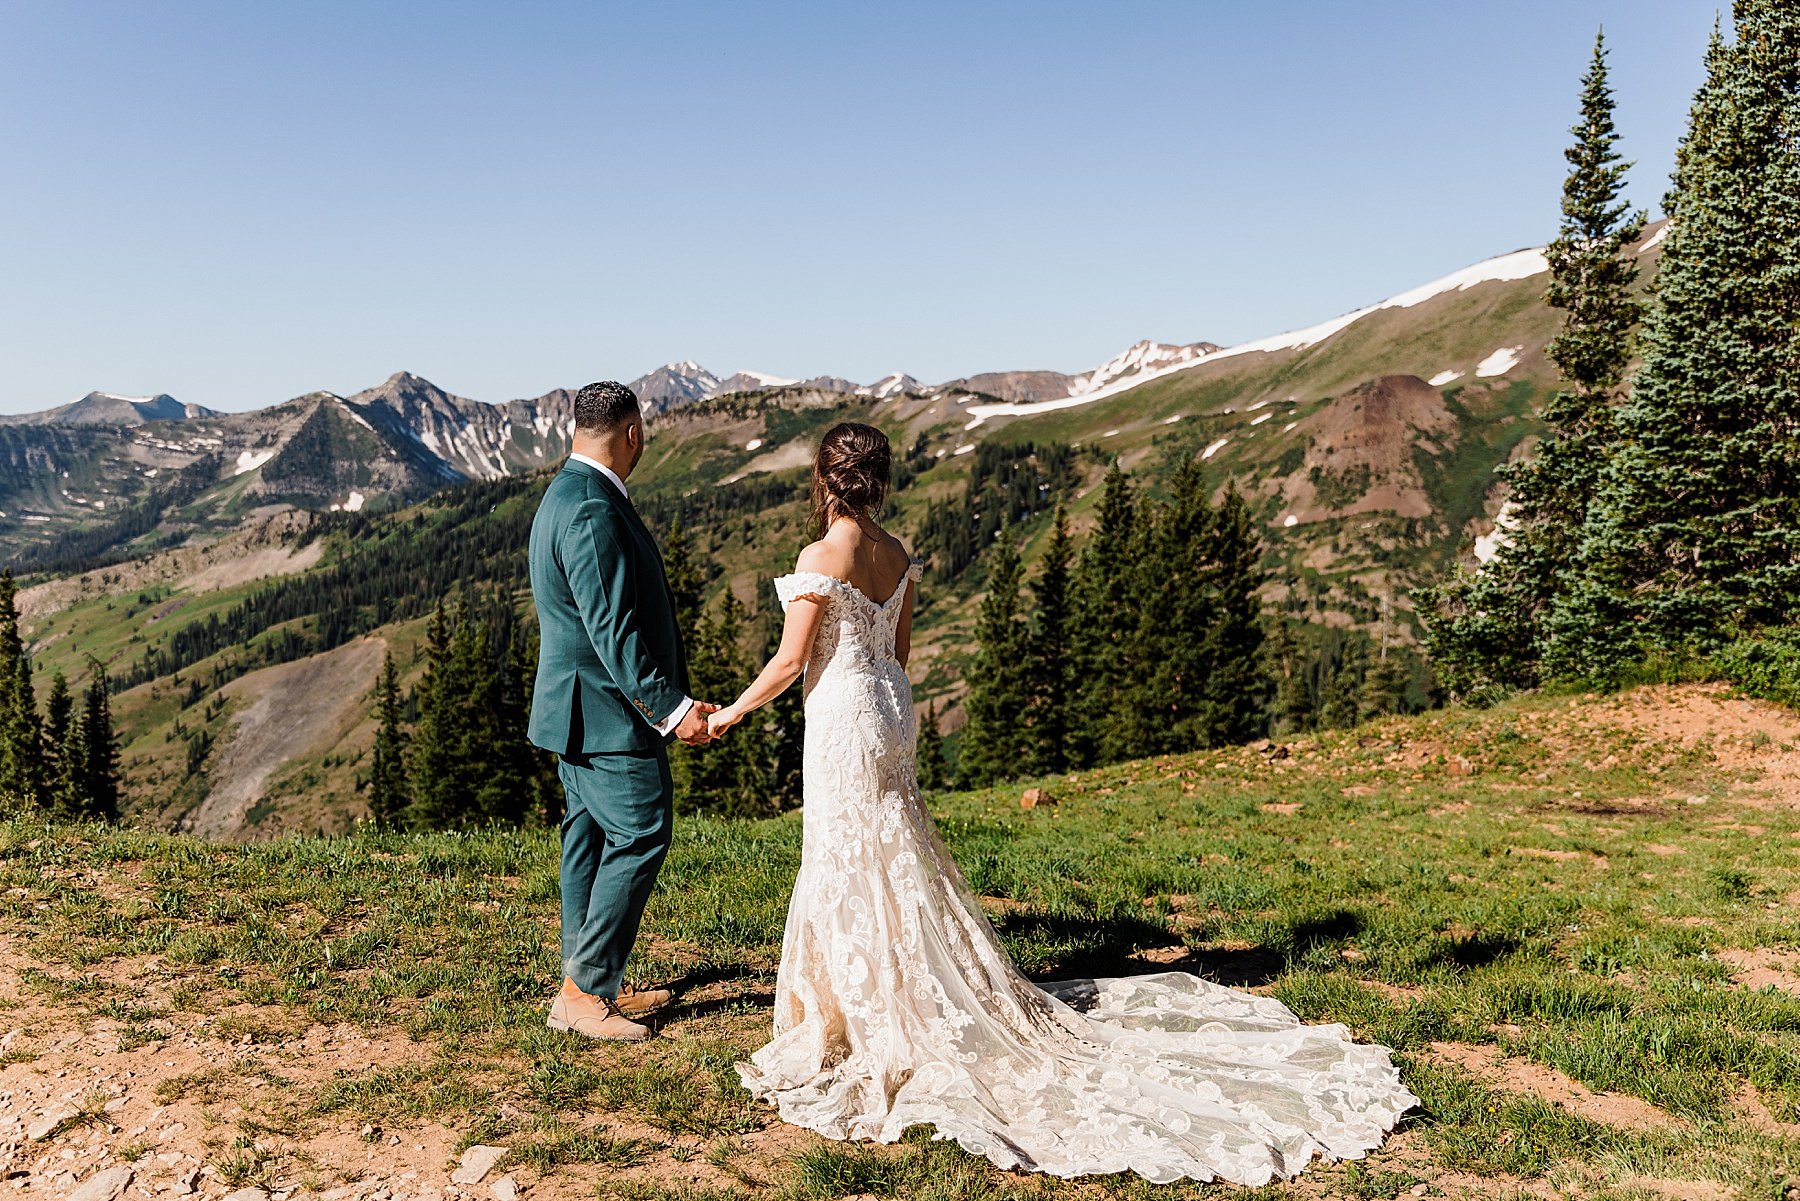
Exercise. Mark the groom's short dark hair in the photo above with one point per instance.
(602, 406)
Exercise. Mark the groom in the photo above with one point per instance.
(611, 692)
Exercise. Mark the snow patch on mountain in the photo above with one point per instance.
(250, 460)
(1443, 377)
(1498, 363)
(1520, 264)
(894, 384)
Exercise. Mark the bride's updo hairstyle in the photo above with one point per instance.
(850, 474)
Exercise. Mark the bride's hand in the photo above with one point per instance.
(722, 720)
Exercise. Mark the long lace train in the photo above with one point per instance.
(896, 1004)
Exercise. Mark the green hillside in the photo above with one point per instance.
(1564, 915)
(1363, 479)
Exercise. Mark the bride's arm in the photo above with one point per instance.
(804, 614)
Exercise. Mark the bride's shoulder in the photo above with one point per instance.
(817, 574)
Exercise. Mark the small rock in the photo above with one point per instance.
(476, 1163)
(48, 1121)
(1419, 1190)
(115, 1105)
(1459, 765)
(505, 1189)
(1033, 797)
(103, 1185)
(247, 1194)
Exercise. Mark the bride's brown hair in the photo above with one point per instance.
(850, 473)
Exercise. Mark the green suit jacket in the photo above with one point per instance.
(610, 660)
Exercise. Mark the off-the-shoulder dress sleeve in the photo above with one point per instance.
(814, 584)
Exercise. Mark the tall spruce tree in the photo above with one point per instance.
(996, 742)
(389, 792)
(1199, 629)
(1695, 531)
(934, 766)
(1050, 650)
(1232, 704)
(1487, 628)
(1106, 613)
(443, 763)
(64, 755)
(100, 782)
(730, 777)
(784, 717)
(1291, 702)
(21, 737)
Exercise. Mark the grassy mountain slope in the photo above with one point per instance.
(1564, 914)
(1365, 480)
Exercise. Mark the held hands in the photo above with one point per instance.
(721, 720)
(694, 727)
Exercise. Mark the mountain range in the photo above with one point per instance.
(82, 464)
(1365, 447)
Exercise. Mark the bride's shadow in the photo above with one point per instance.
(1095, 948)
(1131, 946)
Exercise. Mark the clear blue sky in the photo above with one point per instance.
(240, 202)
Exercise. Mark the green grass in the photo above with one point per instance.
(1527, 877)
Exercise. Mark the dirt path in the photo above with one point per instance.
(292, 708)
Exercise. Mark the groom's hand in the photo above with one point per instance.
(692, 729)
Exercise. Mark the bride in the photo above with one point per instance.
(896, 1004)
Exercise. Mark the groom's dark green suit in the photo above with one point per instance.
(611, 668)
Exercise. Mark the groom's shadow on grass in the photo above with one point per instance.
(702, 975)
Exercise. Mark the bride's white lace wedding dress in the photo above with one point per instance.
(896, 1004)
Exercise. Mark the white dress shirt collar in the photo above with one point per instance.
(603, 469)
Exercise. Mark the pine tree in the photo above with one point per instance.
(1383, 687)
(100, 749)
(1486, 629)
(730, 776)
(443, 785)
(21, 739)
(388, 786)
(546, 802)
(1340, 706)
(64, 753)
(934, 768)
(995, 742)
(784, 718)
(1291, 700)
(1695, 530)
(1232, 705)
(1106, 611)
(1050, 656)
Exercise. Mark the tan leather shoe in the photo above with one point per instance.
(636, 1001)
(594, 1017)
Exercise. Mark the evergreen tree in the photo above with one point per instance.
(21, 740)
(1486, 628)
(934, 768)
(1050, 651)
(784, 719)
(65, 755)
(1291, 698)
(996, 742)
(1695, 530)
(1199, 631)
(99, 748)
(443, 784)
(1383, 687)
(546, 799)
(1107, 617)
(1340, 706)
(1232, 700)
(730, 776)
(388, 786)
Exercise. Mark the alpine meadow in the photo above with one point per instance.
(1433, 669)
